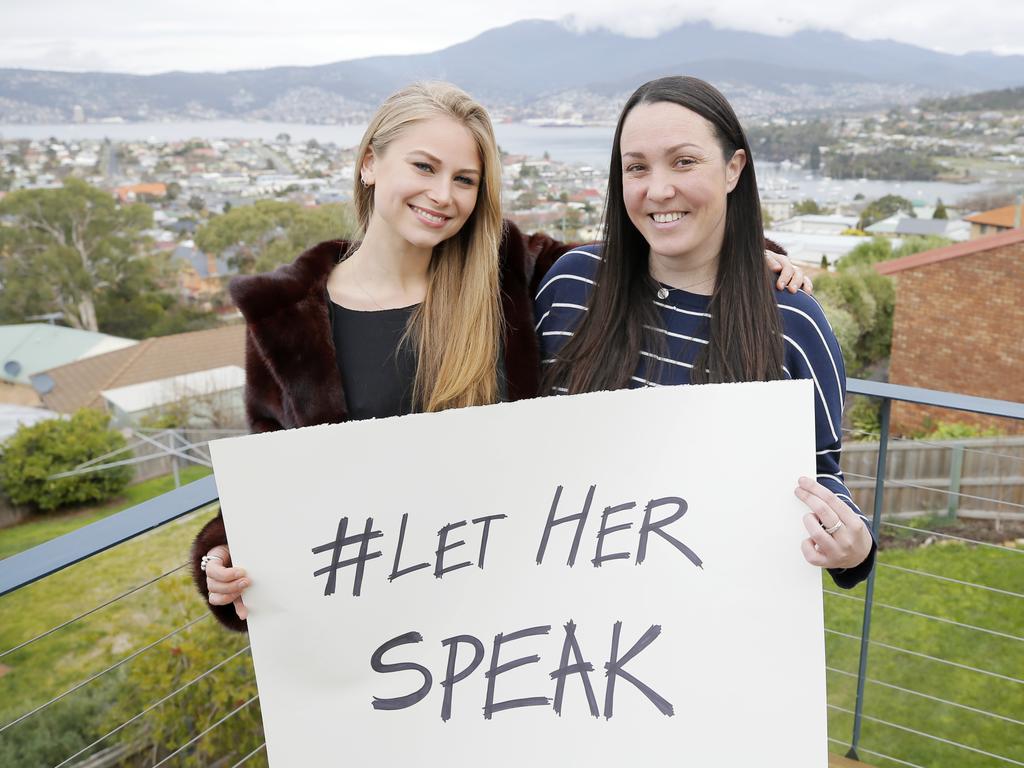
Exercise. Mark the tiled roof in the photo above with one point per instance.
(26, 348)
(997, 217)
(78, 385)
(978, 245)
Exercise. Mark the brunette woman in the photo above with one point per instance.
(678, 293)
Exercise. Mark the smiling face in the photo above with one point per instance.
(675, 181)
(425, 182)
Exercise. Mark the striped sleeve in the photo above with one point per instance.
(812, 352)
(562, 299)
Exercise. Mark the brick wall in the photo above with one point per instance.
(959, 327)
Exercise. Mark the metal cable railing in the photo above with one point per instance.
(932, 736)
(949, 580)
(23, 569)
(937, 699)
(91, 611)
(205, 731)
(255, 752)
(98, 675)
(954, 537)
(945, 491)
(154, 705)
(878, 754)
(909, 652)
(932, 617)
(943, 445)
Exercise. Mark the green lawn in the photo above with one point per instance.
(968, 605)
(44, 527)
(70, 655)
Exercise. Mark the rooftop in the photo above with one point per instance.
(926, 258)
(31, 347)
(998, 217)
(79, 385)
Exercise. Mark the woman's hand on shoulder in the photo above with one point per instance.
(838, 536)
(224, 582)
(791, 277)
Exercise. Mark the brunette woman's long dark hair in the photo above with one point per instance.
(745, 332)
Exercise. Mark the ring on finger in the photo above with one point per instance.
(205, 560)
(831, 530)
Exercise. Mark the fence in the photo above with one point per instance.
(924, 662)
(975, 478)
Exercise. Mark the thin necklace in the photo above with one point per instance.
(359, 283)
(663, 292)
(368, 294)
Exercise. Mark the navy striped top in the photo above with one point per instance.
(811, 352)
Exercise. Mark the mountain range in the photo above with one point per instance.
(517, 65)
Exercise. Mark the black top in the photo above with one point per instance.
(376, 374)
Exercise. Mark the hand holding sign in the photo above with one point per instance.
(839, 538)
(225, 583)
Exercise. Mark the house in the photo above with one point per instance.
(27, 348)
(816, 224)
(133, 192)
(157, 373)
(201, 275)
(899, 225)
(808, 249)
(996, 220)
(959, 327)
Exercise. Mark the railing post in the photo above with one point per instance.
(956, 470)
(876, 518)
(172, 444)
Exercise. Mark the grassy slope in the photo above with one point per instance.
(968, 605)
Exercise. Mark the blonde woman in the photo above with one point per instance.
(430, 310)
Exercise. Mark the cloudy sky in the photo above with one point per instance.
(218, 35)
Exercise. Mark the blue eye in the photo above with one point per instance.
(427, 167)
(465, 180)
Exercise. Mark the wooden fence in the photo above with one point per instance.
(978, 477)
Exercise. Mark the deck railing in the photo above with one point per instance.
(938, 687)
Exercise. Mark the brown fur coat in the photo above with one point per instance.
(292, 377)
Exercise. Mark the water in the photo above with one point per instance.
(590, 145)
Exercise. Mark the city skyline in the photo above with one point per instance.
(231, 35)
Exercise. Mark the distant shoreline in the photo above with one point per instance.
(585, 145)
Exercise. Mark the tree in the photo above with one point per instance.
(46, 448)
(883, 208)
(940, 210)
(65, 248)
(860, 302)
(197, 203)
(807, 207)
(272, 232)
(814, 159)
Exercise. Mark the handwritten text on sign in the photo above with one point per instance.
(570, 646)
(606, 578)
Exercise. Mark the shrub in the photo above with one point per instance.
(36, 452)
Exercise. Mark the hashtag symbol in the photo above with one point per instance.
(341, 541)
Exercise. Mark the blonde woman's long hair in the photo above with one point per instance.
(457, 329)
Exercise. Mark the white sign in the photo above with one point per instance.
(611, 579)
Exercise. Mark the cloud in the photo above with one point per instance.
(197, 35)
